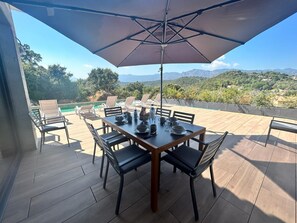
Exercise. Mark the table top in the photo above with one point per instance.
(163, 140)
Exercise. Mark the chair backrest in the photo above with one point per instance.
(111, 101)
(94, 133)
(210, 150)
(184, 117)
(110, 155)
(113, 111)
(86, 108)
(105, 146)
(157, 98)
(163, 112)
(144, 98)
(129, 101)
(36, 118)
(49, 108)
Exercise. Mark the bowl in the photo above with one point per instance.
(119, 118)
(172, 119)
(141, 128)
(178, 128)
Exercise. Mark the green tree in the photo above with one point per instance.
(207, 96)
(84, 89)
(262, 99)
(173, 91)
(230, 95)
(61, 87)
(103, 79)
(28, 56)
(43, 83)
(135, 89)
(58, 74)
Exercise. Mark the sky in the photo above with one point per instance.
(275, 48)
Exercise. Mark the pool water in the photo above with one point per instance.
(71, 108)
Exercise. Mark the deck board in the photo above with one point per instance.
(254, 183)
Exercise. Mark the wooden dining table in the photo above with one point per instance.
(163, 140)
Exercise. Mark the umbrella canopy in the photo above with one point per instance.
(140, 32)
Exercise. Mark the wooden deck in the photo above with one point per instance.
(254, 183)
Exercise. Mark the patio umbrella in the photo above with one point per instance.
(140, 32)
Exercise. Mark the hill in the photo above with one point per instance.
(252, 81)
(194, 73)
(241, 80)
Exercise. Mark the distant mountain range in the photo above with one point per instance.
(193, 73)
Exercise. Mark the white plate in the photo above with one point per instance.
(146, 131)
(179, 133)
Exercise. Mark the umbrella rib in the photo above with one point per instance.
(73, 8)
(184, 39)
(125, 38)
(151, 33)
(182, 28)
(137, 46)
(207, 33)
(198, 51)
(145, 41)
(200, 11)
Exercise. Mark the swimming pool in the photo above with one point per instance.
(71, 107)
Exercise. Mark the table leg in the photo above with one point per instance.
(201, 138)
(104, 129)
(155, 180)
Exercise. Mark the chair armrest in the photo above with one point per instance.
(120, 104)
(60, 112)
(102, 127)
(273, 120)
(198, 140)
(53, 120)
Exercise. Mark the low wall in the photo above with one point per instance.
(247, 109)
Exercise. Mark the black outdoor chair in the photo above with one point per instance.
(123, 161)
(114, 138)
(163, 112)
(48, 125)
(184, 117)
(194, 162)
(282, 126)
(114, 111)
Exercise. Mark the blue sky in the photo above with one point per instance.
(272, 49)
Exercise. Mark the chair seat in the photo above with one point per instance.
(117, 139)
(109, 135)
(189, 156)
(131, 157)
(47, 125)
(283, 126)
(193, 162)
(54, 126)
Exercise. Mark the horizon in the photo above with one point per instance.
(272, 49)
(288, 68)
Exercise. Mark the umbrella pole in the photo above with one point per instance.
(161, 88)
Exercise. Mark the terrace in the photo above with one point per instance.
(254, 183)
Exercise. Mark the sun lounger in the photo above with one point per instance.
(49, 109)
(143, 101)
(85, 111)
(110, 102)
(128, 104)
(155, 101)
